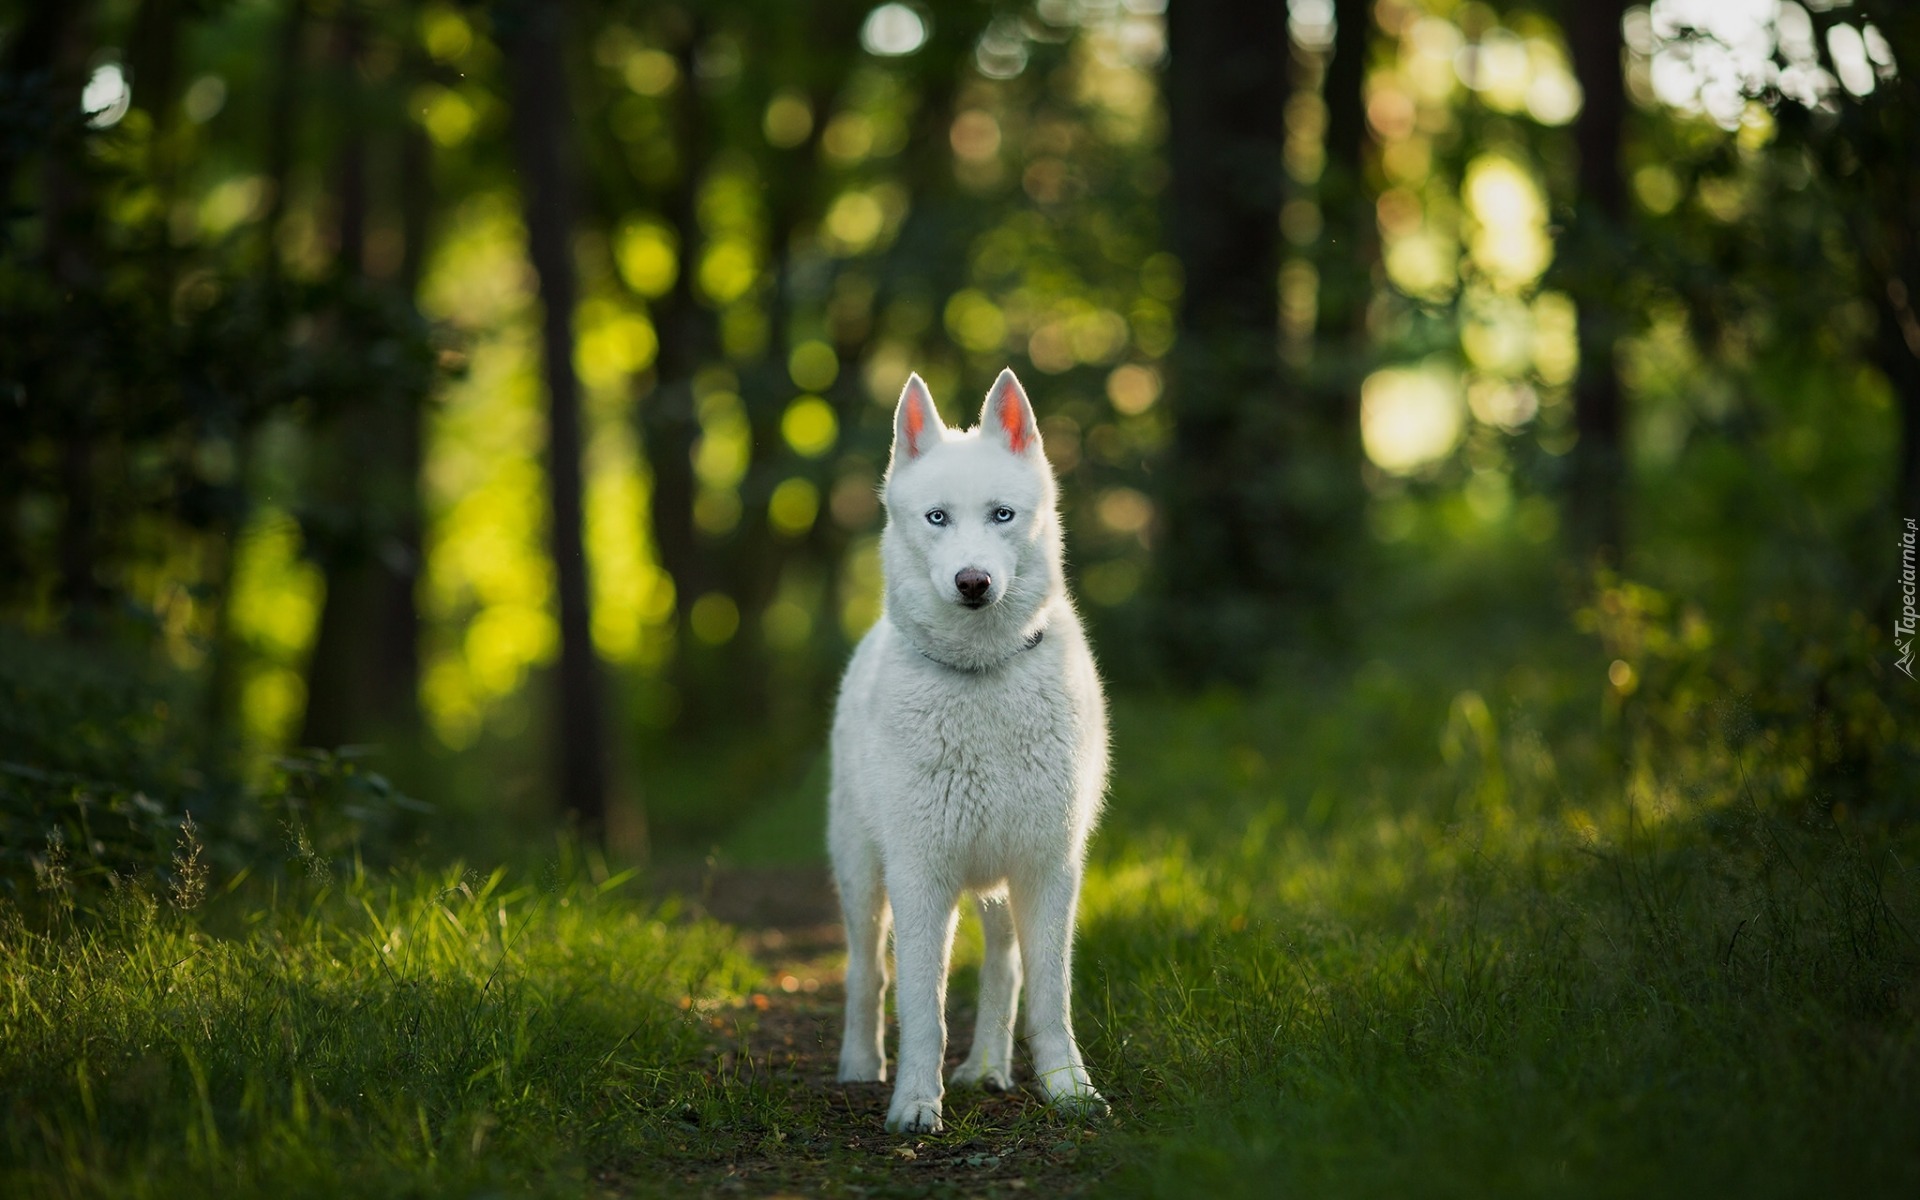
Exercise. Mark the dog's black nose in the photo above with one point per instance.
(973, 584)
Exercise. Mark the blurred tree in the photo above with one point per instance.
(1598, 246)
(277, 151)
(1244, 480)
(1861, 137)
(669, 418)
(531, 36)
(361, 521)
(1350, 247)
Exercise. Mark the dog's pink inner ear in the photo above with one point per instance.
(1008, 408)
(916, 423)
(1017, 424)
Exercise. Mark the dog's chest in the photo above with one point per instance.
(992, 758)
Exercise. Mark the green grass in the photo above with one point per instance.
(1319, 958)
(432, 1032)
(1424, 923)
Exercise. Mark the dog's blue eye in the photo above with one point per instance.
(1003, 514)
(937, 516)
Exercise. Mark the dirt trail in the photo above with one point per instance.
(788, 1039)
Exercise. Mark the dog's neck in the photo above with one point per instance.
(1031, 640)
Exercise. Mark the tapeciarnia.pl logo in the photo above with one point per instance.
(1904, 624)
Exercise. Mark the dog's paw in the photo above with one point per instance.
(1087, 1105)
(907, 1115)
(990, 1078)
(857, 1069)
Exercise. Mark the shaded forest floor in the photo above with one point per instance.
(785, 1039)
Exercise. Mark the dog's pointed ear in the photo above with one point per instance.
(1008, 417)
(916, 422)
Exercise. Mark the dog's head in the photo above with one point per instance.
(971, 525)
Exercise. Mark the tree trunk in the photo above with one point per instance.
(1598, 467)
(532, 40)
(1345, 202)
(397, 662)
(71, 211)
(669, 420)
(362, 678)
(222, 659)
(337, 709)
(1229, 545)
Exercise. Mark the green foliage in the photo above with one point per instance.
(1325, 955)
(103, 785)
(420, 1032)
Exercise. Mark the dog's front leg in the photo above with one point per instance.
(923, 920)
(1043, 909)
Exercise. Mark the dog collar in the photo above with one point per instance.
(1033, 639)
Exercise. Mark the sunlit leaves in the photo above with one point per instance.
(975, 322)
(1424, 264)
(1410, 417)
(809, 426)
(728, 269)
(714, 618)
(1002, 51)
(788, 120)
(1509, 239)
(645, 70)
(721, 453)
(204, 99)
(273, 610)
(230, 203)
(732, 216)
(632, 596)
(854, 222)
(646, 254)
(893, 30)
(1124, 511)
(793, 506)
(860, 592)
(106, 97)
(448, 116)
(487, 583)
(1495, 332)
(611, 343)
(720, 456)
(813, 366)
(1132, 389)
(1556, 342)
(975, 136)
(445, 33)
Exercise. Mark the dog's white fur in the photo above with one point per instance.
(966, 756)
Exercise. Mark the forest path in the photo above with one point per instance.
(812, 1136)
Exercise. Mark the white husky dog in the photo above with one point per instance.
(969, 754)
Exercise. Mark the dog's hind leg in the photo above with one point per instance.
(863, 905)
(1043, 908)
(990, 1063)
